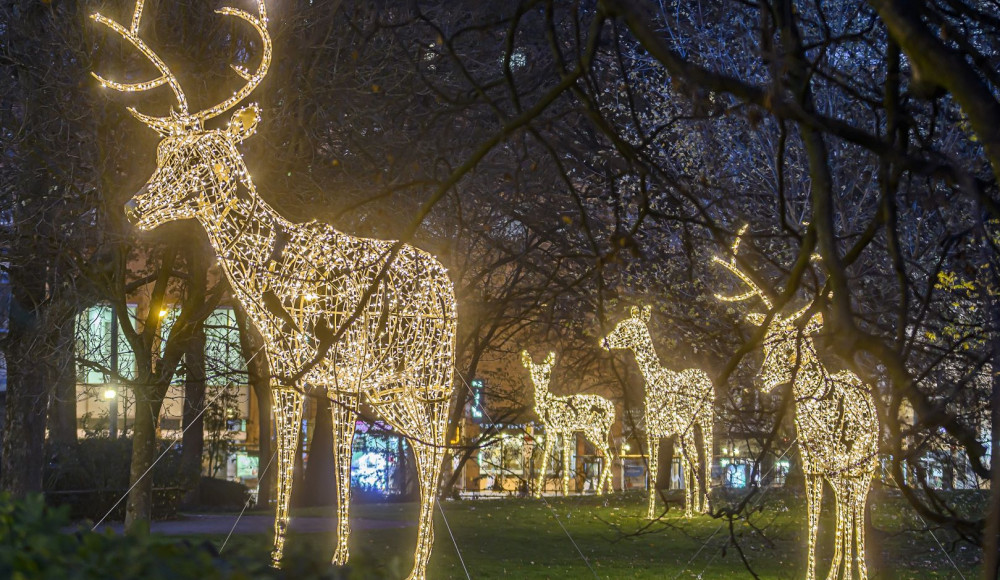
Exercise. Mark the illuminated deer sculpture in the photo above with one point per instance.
(563, 417)
(836, 423)
(675, 403)
(356, 320)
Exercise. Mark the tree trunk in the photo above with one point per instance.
(139, 507)
(991, 537)
(317, 481)
(666, 463)
(24, 429)
(193, 420)
(62, 410)
(259, 379)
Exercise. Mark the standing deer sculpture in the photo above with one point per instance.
(675, 403)
(836, 423)
(564, 417)
(360, 321)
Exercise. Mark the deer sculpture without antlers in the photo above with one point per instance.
(564, 417)
(835, 420)
(675, 403)
(356, 320)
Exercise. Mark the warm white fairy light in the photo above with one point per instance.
(362, 320)
(564, 417)
(675, 402)
(836, 423)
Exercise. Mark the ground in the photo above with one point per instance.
(587, 536)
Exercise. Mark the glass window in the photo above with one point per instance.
(94, 346)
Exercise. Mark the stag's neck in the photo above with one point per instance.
(645, 356)
(811, 378)
(242, 229)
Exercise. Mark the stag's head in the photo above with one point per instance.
(631, 331)
(195, 167)
(541, 374)
(787, 343)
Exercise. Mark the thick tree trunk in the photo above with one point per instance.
(139, 507)
(193, 420)
(317, 481)
(62, 410)
(24, 429)
(666, 463)
(991, 536)
(259, 378)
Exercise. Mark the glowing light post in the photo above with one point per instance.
(354, 319)
(836, 423)
(563, 417)
(675, 402)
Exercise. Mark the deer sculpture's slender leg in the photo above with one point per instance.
(546, 453)
(343, 441)
(861, 486)
(600, 441)
(288, 423)
(814, 500)
(653, 445)
(842, 499)
(428, 459)
(708, 449)
(688, 470)
(567, 441)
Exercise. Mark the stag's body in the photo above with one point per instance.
(353, 319)
(564, 416)
(837, 427)
(836, 424)
(675, 402)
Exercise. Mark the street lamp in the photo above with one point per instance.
(112, 397)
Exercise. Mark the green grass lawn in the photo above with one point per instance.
(525, 538)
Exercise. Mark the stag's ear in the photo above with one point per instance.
(815, 324)
(550, 358)
(646, 311)
(756, 318)
(634, 312)
(244, 122)
(526, 359)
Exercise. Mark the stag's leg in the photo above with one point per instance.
(688, 471)
(546, 453)
(343, 441)
(708, 448)
(288, 422)
(653, 445)
(428, 459)
(567, 441)
(842, 500)
(861, 486)
(814, 499)
(600, 439)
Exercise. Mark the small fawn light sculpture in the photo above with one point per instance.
(353, 319)
(675, 403)
(836, 423)
(564, 417)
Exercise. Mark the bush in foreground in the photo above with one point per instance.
(36, 542)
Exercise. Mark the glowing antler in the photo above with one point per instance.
(730, 265)
(259, 24)
(166, 77)
(183, 119)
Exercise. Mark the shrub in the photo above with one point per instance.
(34, 544)
(92, 474)
(222, 494)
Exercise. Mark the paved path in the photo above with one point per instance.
(215, 524)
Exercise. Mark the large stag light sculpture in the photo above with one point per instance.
(836, 423)
(356, 320)
(675, 403)
(564, 417)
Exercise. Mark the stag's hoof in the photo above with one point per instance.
(275, 559)
(340, 556)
